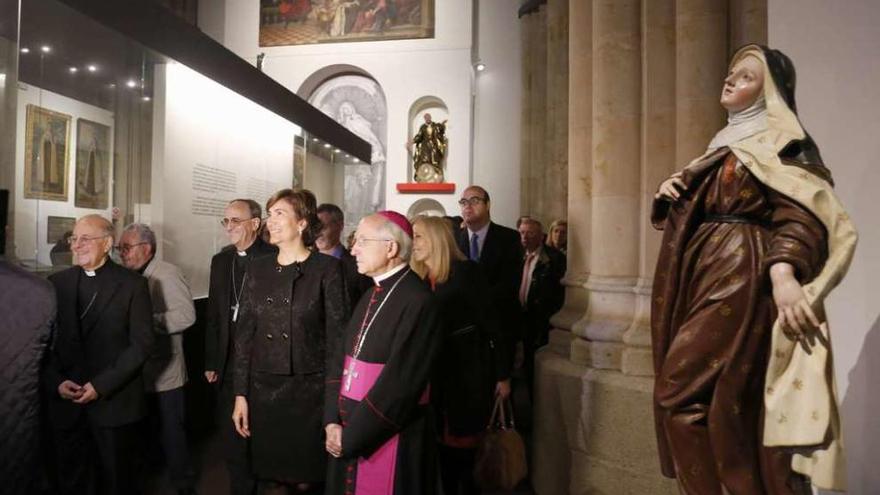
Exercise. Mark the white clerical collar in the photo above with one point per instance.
(90, 273)
(379, 278)
(241, 253)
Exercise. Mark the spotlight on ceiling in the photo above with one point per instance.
(46, 48)
(314, 140)
(92, 68)
(72, 70)
(356, 160)
(326, 145)
(337, 150)
(480, 66)
(25, 49)
(145, 98)
(131, 83)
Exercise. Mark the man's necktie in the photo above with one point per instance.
(526, 279)
(475, 247)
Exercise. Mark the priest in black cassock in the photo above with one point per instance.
(376, 415)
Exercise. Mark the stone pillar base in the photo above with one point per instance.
(593, 430)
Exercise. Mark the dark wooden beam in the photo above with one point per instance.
(158, 29)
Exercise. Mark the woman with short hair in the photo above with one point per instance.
(294, 310)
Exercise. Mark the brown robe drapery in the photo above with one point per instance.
(712, 315)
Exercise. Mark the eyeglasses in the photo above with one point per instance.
(473, 201)
(234, 221)
(84, 239)
(124, 248)
(360, 241)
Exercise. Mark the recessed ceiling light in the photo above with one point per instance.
(92, 68)
(315, 140)
(131, 83)
(480, 66)
(337, 150)
(347, 155)
(25, 49)
(326, 145)
(46, 48)
(356, 160)
(146, 98)
(73, 70)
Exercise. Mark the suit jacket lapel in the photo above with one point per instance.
(107, 288)
(487, 252)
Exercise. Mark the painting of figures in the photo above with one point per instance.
(303, 22)
(92, 165)
(47, 135)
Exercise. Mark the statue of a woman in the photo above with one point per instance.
(754, 239)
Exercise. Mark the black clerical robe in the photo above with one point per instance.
(379, 392)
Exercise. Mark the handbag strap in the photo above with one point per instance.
(499, 411)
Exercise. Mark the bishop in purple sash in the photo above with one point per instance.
(377, 417)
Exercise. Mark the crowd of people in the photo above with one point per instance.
(367, 368)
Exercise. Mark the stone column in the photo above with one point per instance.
(535, 119)
(748, 23)
(657, 162)
(554, 164)
(701, 56)
(615, 170)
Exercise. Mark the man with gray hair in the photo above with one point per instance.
(165, 371)
(376, 419)
(92, 373)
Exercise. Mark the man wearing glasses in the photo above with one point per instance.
(241, 222)
(104, 335)
(165, 371)
(498, 251)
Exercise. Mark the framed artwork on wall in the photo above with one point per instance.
(305, 22)
(92, 165)
(47, 138)
(57, 227)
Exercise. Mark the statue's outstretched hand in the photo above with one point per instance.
(671, 188)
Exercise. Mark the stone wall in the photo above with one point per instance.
(644, 79)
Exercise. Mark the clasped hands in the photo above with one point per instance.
(79, 394)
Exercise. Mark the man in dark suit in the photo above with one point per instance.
(241, 220)
(541, 292)
(27, 314)
(328, 242)
(498, 252)
(93, 372)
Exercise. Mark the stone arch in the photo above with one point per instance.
(426, 206)
(355, 99)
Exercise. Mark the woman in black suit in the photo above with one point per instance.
(294, 310)
(468, 369)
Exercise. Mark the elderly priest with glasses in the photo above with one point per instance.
(379, 432)
(93, 375)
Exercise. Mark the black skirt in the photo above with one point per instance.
(285, 418)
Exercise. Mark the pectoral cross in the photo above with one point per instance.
(349, 374)
(234, 312)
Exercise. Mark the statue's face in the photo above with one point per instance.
(427, 118)
(743, 84)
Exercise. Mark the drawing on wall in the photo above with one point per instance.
(47, 135)
(58, 227)
(299, 161)
(303, 22)
(92, 165)
(358, 103)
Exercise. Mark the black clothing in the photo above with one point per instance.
(463, 383)
(546, 296)
(405, 339)
(106, 346)
(220, 327)
(291, 315)
(355, 283)
(501, 260)
(27, 314)
(168, 415)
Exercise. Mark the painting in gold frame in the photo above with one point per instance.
(46, 164)
(305, 22)
(92, 165)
